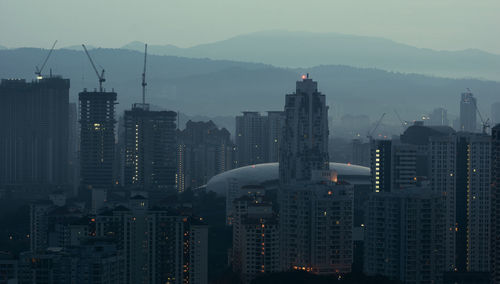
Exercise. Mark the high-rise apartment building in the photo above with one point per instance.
(468, 109)
(250, 139)
(304, 148)
(150, 148)
(404, 239)
(34, 140)
(316, 214)
(256, 239)
(275, 125)
(159, 246)
(97, 138)
(495, 205)
(203, 151)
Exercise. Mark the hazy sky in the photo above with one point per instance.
(437, 24)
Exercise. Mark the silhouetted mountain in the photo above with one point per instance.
(210, 88)
(303, 49)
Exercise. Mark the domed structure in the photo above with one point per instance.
(268, 174)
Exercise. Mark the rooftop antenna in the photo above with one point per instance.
(101, 76)
(38, 72)
(144, 84)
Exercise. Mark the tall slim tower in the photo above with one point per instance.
(305, 139)
(495, 210)
(468, 109)
(97, 138)
(316, 213)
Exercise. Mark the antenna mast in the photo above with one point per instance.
(99, 76)
(38, 72)
(144, 84)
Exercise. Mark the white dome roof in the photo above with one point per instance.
(257, 174)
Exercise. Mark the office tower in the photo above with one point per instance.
(203, 151)
(495, 204)
(439, 117)
(150, 148)
(73, 147)
(97, 138)
(160, 246)
(316, 214)
(34, 140)
(468, 109)
(250, 139)
(256, 240)
(275, 124)
(404, 239)
(473, 202)
(495, 113)
(305, 138)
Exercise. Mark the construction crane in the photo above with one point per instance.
(99, 76)
(485, 124)
(38, 72)
(370, 133)
(403, 123)
(144, 84)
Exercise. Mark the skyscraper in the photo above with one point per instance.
(150, 148)
(468, 109)
(439, 116)
(404, 239)
(316, 214)
(275, 124)
(203, 150)
(495, 113)
(305, 138)
(34, 140)
(495, 204)
(97, 138)
(250, 139)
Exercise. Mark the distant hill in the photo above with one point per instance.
(210, 88)
(303, 49)
(2, 47)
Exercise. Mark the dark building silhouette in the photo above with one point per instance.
(495, 204)
(203, 151)
(150, 148)
(250, 138)
(97, 138)
(34, 140)
(468, 109)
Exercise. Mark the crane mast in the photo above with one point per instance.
(144, 84)
(99, 76)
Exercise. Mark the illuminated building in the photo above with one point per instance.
(150, 148)
(256, 239)
(316, 208)
(97, 138)
(403, 237)
(495, 210)
(393, 165)
(473, 202)
(468, 109)
(203, 151)
(159, 245)
(34, 140)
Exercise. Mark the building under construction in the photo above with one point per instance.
(97, 138)
(34, 131)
